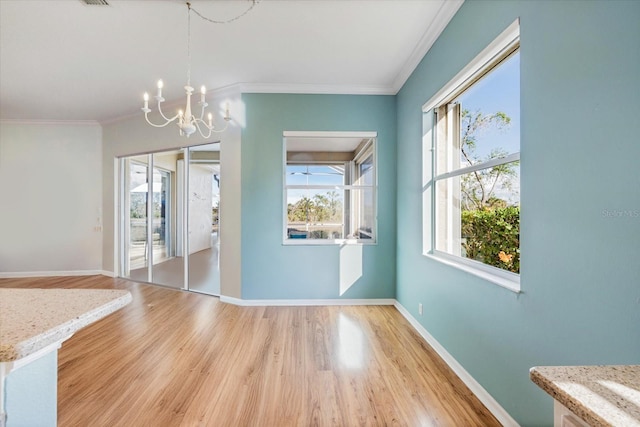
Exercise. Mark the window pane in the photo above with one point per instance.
(362, 214)
(315, 175)
(478, 216)
(365, 171)
(315, 214)
(490, 115)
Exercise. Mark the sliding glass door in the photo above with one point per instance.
(167, 268)
(169, 218)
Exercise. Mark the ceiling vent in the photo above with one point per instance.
(95, 2)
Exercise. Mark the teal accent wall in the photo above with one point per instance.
(32, 393)
(271, 270)
(580, 195)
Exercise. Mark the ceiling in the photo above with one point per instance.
(65, 60)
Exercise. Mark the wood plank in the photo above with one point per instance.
(174, 358)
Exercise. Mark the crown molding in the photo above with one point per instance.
(226, 91)
(49, 122)
(434, 29)
(316, 89)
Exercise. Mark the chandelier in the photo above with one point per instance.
(187, 122)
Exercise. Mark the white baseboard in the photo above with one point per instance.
(483, 395)
(304, 302)
(108, 273)
(20, 274)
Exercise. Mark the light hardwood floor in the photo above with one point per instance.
(174, 358)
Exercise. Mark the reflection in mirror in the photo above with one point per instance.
(204, 219)
(168, 267)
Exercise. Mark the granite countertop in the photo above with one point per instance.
(32, 319)
(600, 395)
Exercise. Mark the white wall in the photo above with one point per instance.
(50, 198)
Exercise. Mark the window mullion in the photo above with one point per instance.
(514, 157)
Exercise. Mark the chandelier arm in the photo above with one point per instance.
(204, 105)
(197, 122)
(212, 129)
(200, 131)
(146, 116)
(165, 117)
(226, 125)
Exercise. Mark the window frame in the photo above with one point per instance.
(363, 154)
(500, 49)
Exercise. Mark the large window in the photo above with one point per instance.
(330, 187)
(475, 165)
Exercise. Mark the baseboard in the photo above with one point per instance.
(108, 273)
(20, 274)
(304, 302)
(483, 395)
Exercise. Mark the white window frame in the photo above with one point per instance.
(368, 150)
(508, 41)
(371, 149)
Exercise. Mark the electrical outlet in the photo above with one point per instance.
(420, 308)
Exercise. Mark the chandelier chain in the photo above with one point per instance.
(188, 44)
(187, 122)
(253, 4)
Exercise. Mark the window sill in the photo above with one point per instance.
(327, 242)
(512, 284)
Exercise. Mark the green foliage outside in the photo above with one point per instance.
(490, 225)
(323, 212)
(492, 236)
(478, 188)
(319, 209)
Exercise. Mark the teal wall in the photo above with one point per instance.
(32, 393)
(271, 270)
(580, 276)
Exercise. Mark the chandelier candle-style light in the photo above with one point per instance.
(187, 122)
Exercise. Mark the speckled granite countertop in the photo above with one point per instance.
(31, 319)
(600, 395)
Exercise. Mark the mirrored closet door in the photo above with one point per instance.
(170, 229)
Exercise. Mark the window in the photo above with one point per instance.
(475, 165)
(330, 187)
